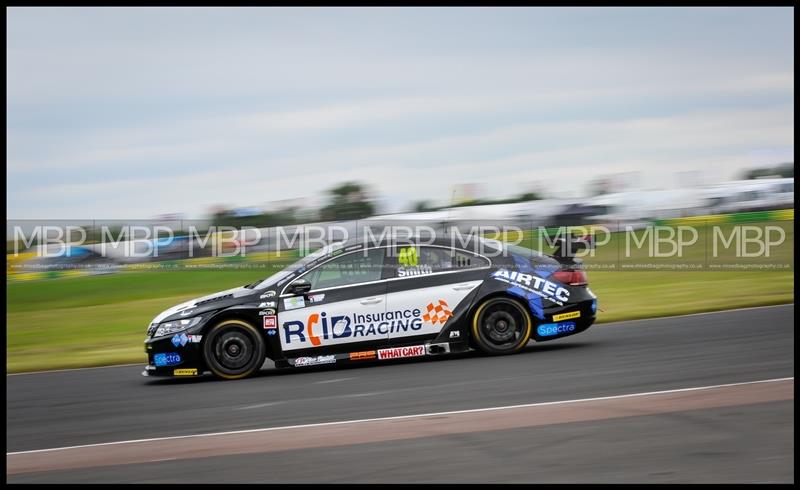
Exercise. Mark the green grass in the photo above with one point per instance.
(644, 294)
(123, 287)
(100, 320)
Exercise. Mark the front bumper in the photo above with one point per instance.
(174, 356)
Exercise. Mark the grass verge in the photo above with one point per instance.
(100, 320)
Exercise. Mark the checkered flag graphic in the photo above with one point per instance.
(438, 313)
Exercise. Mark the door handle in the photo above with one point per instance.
(463, 287)
(371, 301)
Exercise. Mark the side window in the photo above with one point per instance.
(466, 260)
(348, 269)
(419, 261)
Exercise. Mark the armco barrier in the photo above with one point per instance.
(715, 219)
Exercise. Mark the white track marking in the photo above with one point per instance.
(401, 417)
(621, 322)
(260, 405)
(77, 369)
(332, 380)
(369, 393)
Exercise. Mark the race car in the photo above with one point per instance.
(355, 302)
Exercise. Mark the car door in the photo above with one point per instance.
(430, 282)
(342, 312)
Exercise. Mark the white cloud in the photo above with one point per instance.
(192, 139)
(246, 106)
(568, 152)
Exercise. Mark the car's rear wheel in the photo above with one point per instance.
(501, 326)
(233, 349)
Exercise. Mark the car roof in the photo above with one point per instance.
(465, 242)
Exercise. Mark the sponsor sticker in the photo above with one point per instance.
(534, 284)
(272, 332)
(566, 316)
(455, 334)
(268, 294)
(398, 352)
(180, 339)
(321, 325)
(294, 303)
(267, 304)
(550, 329)
(408, 256)
(270, 322)
(313, 361)
(418, 270)
(363, 356)
(167, 359)
(268, 311)
(184, 372)
(316, 298)
(195, 339)
(438, 312)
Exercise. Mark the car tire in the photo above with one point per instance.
(233, 349)
(501, 325)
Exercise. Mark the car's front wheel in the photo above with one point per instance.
(233, 349)
(501, 326)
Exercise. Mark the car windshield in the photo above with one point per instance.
(288, 270)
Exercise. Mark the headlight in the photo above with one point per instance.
(169, 328)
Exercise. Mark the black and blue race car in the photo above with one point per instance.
(356, 302)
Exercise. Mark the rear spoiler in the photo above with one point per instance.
(569, 246)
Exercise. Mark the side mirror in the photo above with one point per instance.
(300, 286)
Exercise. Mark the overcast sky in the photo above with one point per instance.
(128, 113)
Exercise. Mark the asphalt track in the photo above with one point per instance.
(695, 436)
